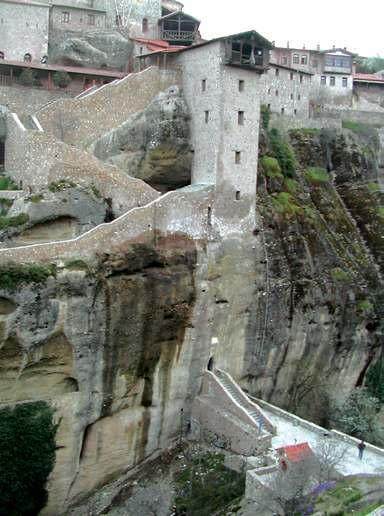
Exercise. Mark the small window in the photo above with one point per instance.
(269, 91)
(299, 97)
(91, 19)
(2, 55)
(323, 80)
(204, 85)
(27, 58)
(301, 78)
(277, 72)
(345, 82)
(284, 60)
(65, 17)
(118, 20)
(237, 157)
(282, 111)
(240, 117)
(145, 25)
(296, 59)
(291, 96)
(241, 85)
(209, 216)
(237, 196)
(304, 59)
(332, 81)
(277, 93)
(295, 111)
(291, 76)
(206, 116)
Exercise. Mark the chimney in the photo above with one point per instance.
(287, 44)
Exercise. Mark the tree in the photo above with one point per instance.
(329, 454)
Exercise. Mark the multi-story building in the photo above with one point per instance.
(69, 17)
(23, 30)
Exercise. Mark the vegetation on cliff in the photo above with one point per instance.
(12, 276)
(27, 456)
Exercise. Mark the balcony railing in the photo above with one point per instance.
(347, 70)
(175, 35)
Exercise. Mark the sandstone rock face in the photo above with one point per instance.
(64, 213)
(152, 145)
(98, 49)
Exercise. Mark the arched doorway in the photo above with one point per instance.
(210, 365)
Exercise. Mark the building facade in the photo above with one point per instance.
(23, 30)
(68, 17)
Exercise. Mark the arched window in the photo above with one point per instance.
(27, 58)
(1, 55)
(145, 25)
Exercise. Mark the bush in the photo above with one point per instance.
(271, 167)
(58, 186)
(6, 183)
(14, 275)
(304, 131)
(61, 79)
(265, 113)
(366, 132)
(374, 381)
(339, 274)
(9, 222)
(27, 77)
(284, 204)
(27, 456)
(317, 175)
(283, 152)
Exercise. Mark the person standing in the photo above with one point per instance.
(361, 447)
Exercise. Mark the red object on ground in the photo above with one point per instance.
(295, 452)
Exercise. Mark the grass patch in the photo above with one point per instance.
(380, 213)
(291, 186)
(367, 132)
(284, 204)
(271, 167)
(339, 274)
(10, 222)
(368, 509)
(6, 183)
(365, 306)
(5, 204)
(373, 187)
(205, 486)
(342, 495)
(35, 198)
(304, 131)
(27, 456)
(59, 186)
(13, 276)
(77, 264)
(317, 176)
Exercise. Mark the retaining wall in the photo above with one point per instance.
(284, 123)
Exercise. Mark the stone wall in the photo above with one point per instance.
(365, 117)
(22, 99)
(286, 91)
(76, 18)
(24, 29)
(284, 123)
(81, 121)
(35, 159)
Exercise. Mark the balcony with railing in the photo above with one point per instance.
(175, 35)
(178, 28)
(338, 65)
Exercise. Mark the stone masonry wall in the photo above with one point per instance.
(79, 19)
(81, 121)
(22, 99)
(24, 29)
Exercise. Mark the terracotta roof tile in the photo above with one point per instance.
(295, 452)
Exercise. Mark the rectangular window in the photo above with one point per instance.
(237, 157)
(304, 59)
(269, 91)
(91, 19)
(345, 82)
(204, 85)
(277, 93)
(241, 85)
(301, 78)
(282, 111)
(277, 72)
(237, 196)
(299, 97)
(291, 96)
(240, 117)
(332, 81)
(323, 80)
(296, 59)
(65, 17)
(206, 116)
(291, 76)
(295, 111)
(284, 60)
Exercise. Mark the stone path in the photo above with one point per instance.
(290, 431)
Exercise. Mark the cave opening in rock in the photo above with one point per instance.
(210, 365)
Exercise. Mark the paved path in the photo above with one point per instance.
(288, 430)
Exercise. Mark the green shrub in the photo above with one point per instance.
(265, 113)
(61, 79)
(380, 212)
(77, 264)
(304, 131)
(339, 274)
(9, 222)
(14, 275)
(6, 183)
(27, 456)
(206, 486)
(365, 131)
(365, 306)
(283, 152)
(374, 381)
(58, 186)
(291, 186)
(285, 204)
(374, 187)
(35, 198)
(317, 175)
(271, 167)
(27, 77)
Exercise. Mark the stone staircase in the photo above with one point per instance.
(242, 399)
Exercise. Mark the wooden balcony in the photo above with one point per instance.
(176, 35)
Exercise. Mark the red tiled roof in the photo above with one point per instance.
(70, 69)
(368, 77)
(295, 452)
(158, 45)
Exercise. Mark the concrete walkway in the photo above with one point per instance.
(289, 431)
